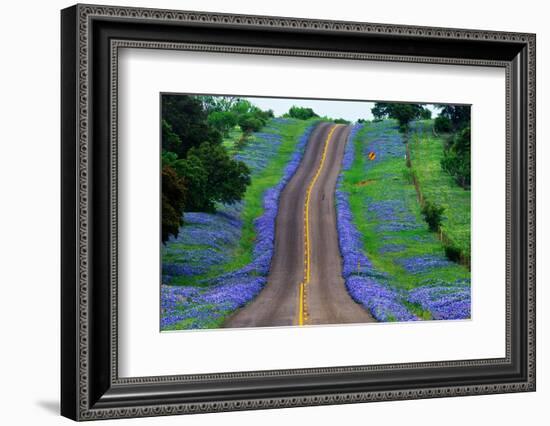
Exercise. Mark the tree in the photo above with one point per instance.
(456, 158)
(170, 141)
(301, 113)
(223, 121)
(173, 202)
(403, 113)
(425, 114)
(379, 111)
(243, 106)
(443, 124)
(187, 119)
(218, 103)
(212, 176)
(458, 115)
(250, 122)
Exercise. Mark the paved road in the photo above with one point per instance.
(324, 299)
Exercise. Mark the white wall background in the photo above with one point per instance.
(29, 214)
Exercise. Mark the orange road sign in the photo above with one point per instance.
(372, 155)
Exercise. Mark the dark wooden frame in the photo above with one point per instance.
(90, 386)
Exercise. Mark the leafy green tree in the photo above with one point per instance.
(341, 121)
(187, 119)
(223, 121)
(425, 114)
(458, 115)
(250, 122)
(212, 176)
(243, 106)
(456, 158)
(173, 202)
(168, 158)
(443, 124)
(432, 213)
(301, 113)
(170, 141)
(379, 111)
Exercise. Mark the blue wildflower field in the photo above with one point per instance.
(219, 262)
(393, 264)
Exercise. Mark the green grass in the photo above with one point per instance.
(231, 141)
(188, 323)
(270, 176)
(438, 186)
(386, 179)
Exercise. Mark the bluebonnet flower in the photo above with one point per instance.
(383, 302)
(392, 248)
(445, 301)
(349, 153)
(419, 264)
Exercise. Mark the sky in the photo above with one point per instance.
(349, 110)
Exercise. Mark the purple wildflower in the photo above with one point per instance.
(445, 301)
(419, 264)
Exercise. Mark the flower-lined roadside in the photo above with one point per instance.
(363, 282)
(392, 264)
(216, 293)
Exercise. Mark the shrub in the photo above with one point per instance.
(223, 121)
(456, 158)
(409, 175)
(442, 124)
(452, 252)
(250, 122)
(432, 213)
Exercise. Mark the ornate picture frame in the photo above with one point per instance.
(91, 37)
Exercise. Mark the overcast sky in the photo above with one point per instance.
(350, 110)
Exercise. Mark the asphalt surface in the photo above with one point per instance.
(325, 299)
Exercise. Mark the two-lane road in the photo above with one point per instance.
(306, 247)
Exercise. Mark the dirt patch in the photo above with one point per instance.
(366, 182)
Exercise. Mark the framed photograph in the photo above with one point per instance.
(263, 212)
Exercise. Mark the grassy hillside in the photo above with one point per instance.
(405, 257)
(435, 184)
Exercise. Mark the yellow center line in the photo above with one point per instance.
(302, 309)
